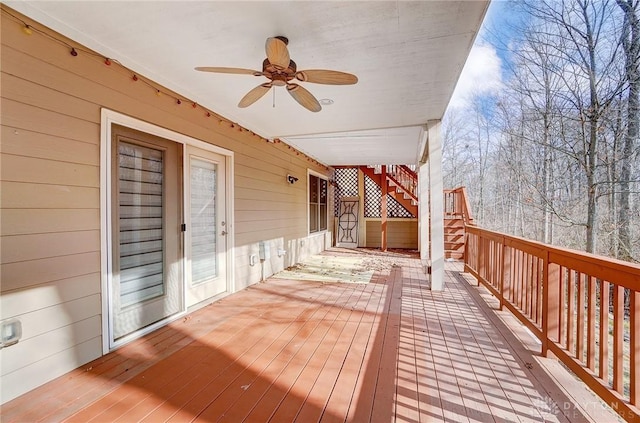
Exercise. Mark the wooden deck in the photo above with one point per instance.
(290, 350)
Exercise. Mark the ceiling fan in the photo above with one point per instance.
(281, 70)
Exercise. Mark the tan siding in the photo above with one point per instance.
(18, 195)
(401, 233)
(25, 116)
(30, 350)
(49, 319)
(41, 171)
(21, 142)
(44, 97)
(50, 197)
(30, 377)
(49, 294)
(39, 221)
(261, 195)
(29, 247)
(25, 274)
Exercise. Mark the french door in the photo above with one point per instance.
(168, 230)
(206, 227)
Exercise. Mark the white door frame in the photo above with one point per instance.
(108, 118)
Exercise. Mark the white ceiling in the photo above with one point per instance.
(407, 56)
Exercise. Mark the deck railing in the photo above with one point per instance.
(456, 205)
(584, 308)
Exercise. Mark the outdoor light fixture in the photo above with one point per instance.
(291, 179)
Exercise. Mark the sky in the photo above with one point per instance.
(484, 71)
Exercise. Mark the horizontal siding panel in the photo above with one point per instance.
(48, 295)
(22, 142)
(258, 195)
(39, 221)
(244, 204)
(256, 170)
(19, 195)
(263, 216)
(270, 185)
(264, 156)
(52, 318)
(17, 248)
(249, 238)
(269, 226)
(34, 375)
(23, 116)
(35, 272)
(40, 347)
(44, 97)
(41, 171)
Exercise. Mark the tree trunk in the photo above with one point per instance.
(631, 45)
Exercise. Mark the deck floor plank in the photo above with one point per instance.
(281, 386)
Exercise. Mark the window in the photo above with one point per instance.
(317, 204)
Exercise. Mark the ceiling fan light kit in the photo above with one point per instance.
(281, 70)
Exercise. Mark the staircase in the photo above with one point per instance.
(457, 215)
(402, 184)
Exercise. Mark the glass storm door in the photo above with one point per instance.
(206, 226)
(146, 260)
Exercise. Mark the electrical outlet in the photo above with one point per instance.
(10, 332)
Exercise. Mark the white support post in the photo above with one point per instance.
(362, 224)
(436, 197)
(424, 239)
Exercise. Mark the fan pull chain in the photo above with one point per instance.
(274, 97)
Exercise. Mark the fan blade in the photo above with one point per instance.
(238, 71)
(255, 94)
(277, 52)
(329, 77)
(304, 97)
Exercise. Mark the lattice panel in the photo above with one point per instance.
(372, 196)
(346, 186)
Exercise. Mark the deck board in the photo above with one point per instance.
(292, 350)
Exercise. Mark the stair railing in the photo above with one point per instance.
(456, 205)
(405, 177)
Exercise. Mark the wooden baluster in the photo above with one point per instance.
(618, 337)
(571, 297)
(591, 323)
(518, 279)
(580, 280)
(506, 274)
(603, 365)
(530, 282)
(550, 305)
(634, 356)
(562, 321)
(537, 297)
(480, 258)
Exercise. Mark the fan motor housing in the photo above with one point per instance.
(280, 77)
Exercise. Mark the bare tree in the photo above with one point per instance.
(583, 41)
